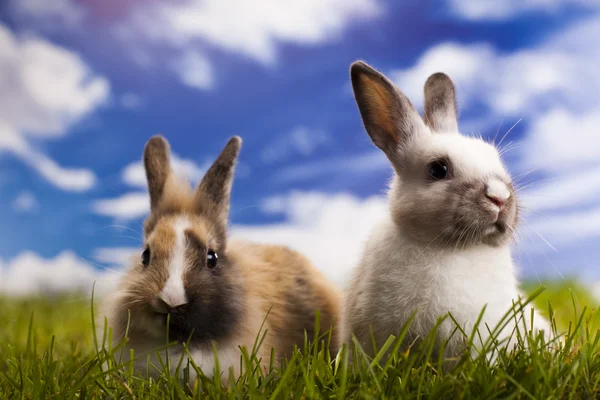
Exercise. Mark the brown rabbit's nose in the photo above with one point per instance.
(497, 192)
(165, 308)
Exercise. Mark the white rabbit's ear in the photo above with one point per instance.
(158, 167)
(213, 195)
(440, 104)
(389, 117)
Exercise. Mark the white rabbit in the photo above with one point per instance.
(444, 247)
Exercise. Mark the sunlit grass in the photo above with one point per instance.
(47, 351)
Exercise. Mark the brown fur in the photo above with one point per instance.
(288, 291)
(386, 112)
(227, 304)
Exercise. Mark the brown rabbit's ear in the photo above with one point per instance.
(440, 104)
(214, 193)
(158, 167)
(389, 117)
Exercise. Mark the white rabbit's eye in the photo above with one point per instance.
(146, 257)
(438, 170)
(211, 259)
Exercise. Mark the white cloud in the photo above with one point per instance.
(301, 140)
(25, 202)
(68, 179)
(194, 70)
(562, 140)
(48, 86)
(560, 72)
(30, 274)
(504, 9)
(329, 229)
(135, 175)
(129, 206)
(514, 84)
(45, 90)
(253, 29)
(116, 256)
(569, 227)
(560, 191)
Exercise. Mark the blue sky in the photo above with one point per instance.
(86, 83)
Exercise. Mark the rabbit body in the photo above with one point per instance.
(397, 277)
(276, 292)
(218, 296)
(445, 245)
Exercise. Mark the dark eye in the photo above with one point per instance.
(146, 257)
(438, 170)
(211, 259)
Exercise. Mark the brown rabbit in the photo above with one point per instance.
(215, 291)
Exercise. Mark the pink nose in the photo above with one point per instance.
(497, 200)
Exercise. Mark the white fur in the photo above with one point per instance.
(228, 356)
(398, 277)
(173, 293)
(473, 157)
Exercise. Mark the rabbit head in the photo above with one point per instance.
(449, 190)
(183, 271)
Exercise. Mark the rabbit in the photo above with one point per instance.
(444, 247)
(215, 291)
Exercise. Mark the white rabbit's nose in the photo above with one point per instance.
(497, 192)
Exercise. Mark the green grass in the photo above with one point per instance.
(47, 351)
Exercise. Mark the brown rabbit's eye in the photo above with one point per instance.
(146, 257)
(211, 259)
(438, 170)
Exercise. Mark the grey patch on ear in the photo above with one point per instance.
(158, 167)
(213, 194)
(388, 116)
(440, 103)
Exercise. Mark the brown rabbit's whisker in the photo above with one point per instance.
(99, 266)
(130, 304)
(137, 239)
(114, 270)
(123, 227)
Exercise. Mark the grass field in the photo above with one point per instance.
(47, 351)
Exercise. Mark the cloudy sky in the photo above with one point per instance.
(84, 84)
